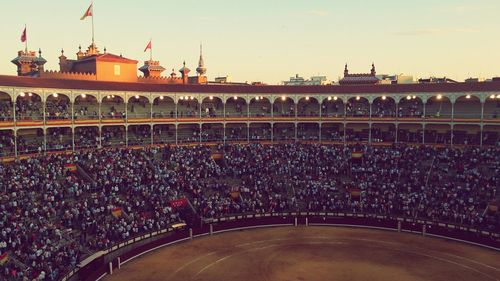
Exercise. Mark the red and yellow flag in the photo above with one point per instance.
(116, 212)
(88, 13)
(4, 258)
(70, 167)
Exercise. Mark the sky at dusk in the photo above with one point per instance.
(269, 40)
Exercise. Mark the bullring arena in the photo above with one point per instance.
(314, 253)
(106, 175)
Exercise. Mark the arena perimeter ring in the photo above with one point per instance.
(314, 253)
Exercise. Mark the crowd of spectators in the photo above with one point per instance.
(52, 217)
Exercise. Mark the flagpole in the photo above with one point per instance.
(92, 22)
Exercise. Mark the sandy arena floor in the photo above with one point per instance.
(314, 253)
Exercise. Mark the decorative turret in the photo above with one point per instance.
(201, 69)
(40, 61)
(80, 54)
(28, 64)
(346, 71)
(184, 73)
(373, 72)
(152, 68)
(173, 74)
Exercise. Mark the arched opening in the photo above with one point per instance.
(86, 137)
(467, 107)
(30, 141)
(358, 107)
(438, 107)
(164, 134)
(188, 107)
(29, 107)
(308, 131)
(437, 134)
(138, 107)
(383, 133)
(57, 107)
(410, 133)
(492, 108)
(333, 107)
(308, 107)
(383, 107)
(467, 134)
(163, 107)
(236, 132)
(6, 108)
(212, 132)
(259, 107)
(212, 107)
(284, 107)
(86, 107)
(491, 135)
(139, 134)
(187, 133)
(112, 107)
(332, 132)
(113, 136)
(236, 107)
(260, 131)
(7, 146)
(283, 131)
(59, 138)
(357, 132)
(411, 106)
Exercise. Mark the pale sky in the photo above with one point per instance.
(269, 40)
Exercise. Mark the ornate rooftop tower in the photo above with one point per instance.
(28, 64)
(201, 69)
(152, 68)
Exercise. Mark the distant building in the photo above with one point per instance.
(360, 78)
(223, 79)
(434, 80)
(300, 81)
(395, 79)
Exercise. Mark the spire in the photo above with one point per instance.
(346, 71)
(373, 72)
(201, 69)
